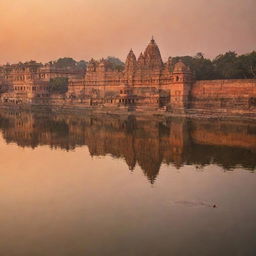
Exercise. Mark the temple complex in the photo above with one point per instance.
(25, 83)
(145, 83)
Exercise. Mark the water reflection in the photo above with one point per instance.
(148, 142)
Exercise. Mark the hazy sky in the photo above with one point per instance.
(44, 30)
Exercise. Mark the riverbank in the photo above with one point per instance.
(189, 113)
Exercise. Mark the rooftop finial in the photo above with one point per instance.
(152, 40)
(131, 52)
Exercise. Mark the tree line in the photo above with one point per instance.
(229, 65)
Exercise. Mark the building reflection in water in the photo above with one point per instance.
(147, 142)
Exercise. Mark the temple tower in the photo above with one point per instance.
(130, 67)
(141, 62)
(152, 55)
(180, 87)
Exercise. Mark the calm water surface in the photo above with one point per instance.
(105, 185)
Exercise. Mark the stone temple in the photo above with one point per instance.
(146, 83)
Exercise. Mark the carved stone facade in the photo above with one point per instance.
(146, 83)
(26, 83)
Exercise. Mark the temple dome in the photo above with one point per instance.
(180, 66)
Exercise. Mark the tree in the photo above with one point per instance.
(227, 66)
(58, 85)
(247, 64)
(202, 67)
(116, 63)
(82, 64)
(65, 62)
(199, 55)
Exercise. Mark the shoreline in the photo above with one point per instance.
(189, 113)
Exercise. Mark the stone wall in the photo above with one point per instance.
(236, 95)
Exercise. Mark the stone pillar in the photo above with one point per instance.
(180, 87)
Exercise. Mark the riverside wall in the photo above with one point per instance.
(237, 95)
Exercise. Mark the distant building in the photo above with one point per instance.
(145, 83)
(25, 83)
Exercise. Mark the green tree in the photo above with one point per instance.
(58, 85)
(247, 63)
(65, 62)
(116, 63)
(82, 64)
(227, 66)
(202, 67)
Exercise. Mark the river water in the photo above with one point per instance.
(77, 184)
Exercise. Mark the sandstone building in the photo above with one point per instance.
(145, 83)
(26, 83)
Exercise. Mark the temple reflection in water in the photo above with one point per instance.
(147, 142)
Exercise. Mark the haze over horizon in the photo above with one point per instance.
(45, 30)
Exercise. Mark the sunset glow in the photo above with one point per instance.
(48, 29)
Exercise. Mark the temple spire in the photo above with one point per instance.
(130, 63)
(141, 60)
(152, 56)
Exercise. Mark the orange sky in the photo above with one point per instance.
(44, 30)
